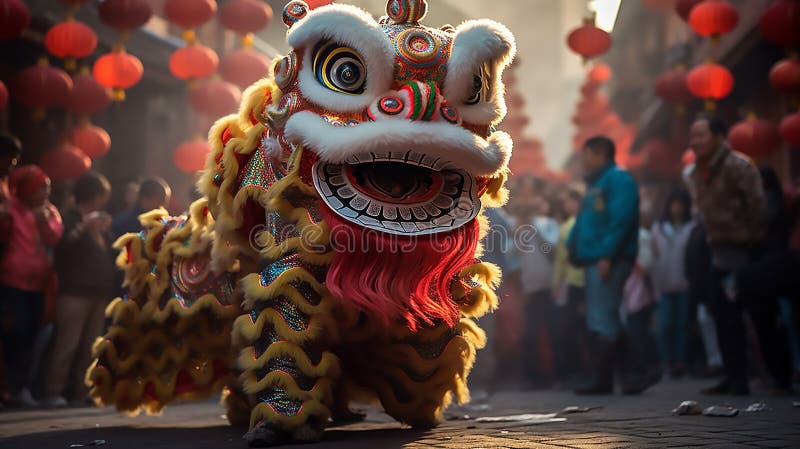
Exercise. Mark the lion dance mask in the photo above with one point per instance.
(333, 258)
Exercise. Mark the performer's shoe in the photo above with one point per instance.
(264, 435)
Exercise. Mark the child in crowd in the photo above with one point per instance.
(670, 239)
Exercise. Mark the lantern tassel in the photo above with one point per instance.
(118, 94)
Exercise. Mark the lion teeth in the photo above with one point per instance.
(346, 192)
(359, 203)
(390, 212)
(405, 213)
(374, 209)
(419, 213)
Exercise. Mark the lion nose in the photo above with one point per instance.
(415, 100)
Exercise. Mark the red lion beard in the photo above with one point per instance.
(391, 276)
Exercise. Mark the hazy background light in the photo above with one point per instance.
(606, 13)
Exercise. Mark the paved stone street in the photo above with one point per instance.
(622, 422)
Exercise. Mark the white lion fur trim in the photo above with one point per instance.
(355, 28)
(477, 42)
(456, 146)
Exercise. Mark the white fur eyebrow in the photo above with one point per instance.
(458, 147)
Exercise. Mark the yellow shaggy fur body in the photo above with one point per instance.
(293, 355)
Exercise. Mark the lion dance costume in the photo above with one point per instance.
(333, 256)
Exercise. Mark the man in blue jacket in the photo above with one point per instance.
(605, 241)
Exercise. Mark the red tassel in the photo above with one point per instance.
(390, 276)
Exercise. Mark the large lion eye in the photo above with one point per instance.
(479, 87)
(339, 68)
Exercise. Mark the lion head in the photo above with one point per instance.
(386, 129)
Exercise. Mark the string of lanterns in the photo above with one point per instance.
(780, 25)
(709, 81)
(212, 93)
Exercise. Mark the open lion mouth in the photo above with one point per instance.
(398, 193)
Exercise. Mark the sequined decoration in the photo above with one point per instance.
(293, 12)
(291, 315)
(280, 402)
(287, 365)
(421, 53)
(258, 172)
(268, 336)
(271, 272)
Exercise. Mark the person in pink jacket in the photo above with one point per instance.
(25, 269)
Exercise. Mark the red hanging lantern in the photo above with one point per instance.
(3, 95)
(92, 140)
(215, 98)
(70, 40)
(599, 73)
(190, 156)
(88, 96)
(780, 23)
(194, 61)
(710, 81)
(65, 162)
(754, 137)
(118, 70)
(588, 40)
(684, 8)
(713, 18)
(42, 86)
(785, 76)
(14, 19)
(671, 86)
(125, 14)
(245, 16)
(790, 129)
(189, 13)
(244, 67)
